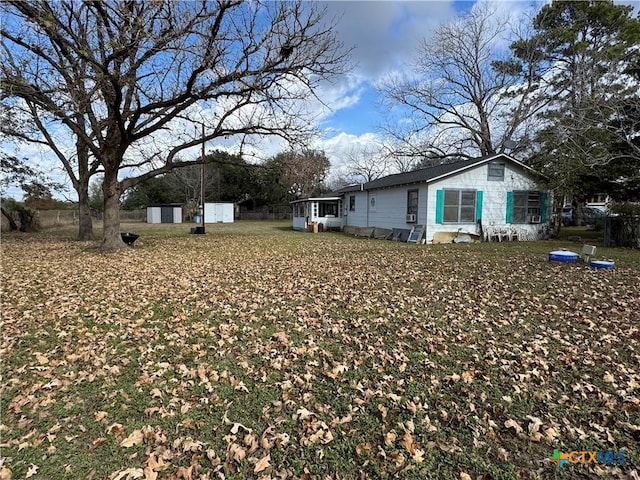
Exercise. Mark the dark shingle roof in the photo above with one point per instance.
(422, 175)
(427, 174)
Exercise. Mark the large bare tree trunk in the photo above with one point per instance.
(111, 189)
(85, 224)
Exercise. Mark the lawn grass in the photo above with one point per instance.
(259, 352)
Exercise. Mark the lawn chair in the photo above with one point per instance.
(588, 251)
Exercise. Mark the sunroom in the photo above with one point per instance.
(326, 212)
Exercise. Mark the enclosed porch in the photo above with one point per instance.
(326, 212)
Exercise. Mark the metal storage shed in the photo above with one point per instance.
(218, 212)
(165, 213)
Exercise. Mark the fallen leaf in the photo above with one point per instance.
(115, 429)
(33, 469)
(262, 464)
(150, 474)
(127, 474)
(135, 438)
(407, 442)
(513, 424)
(390, 437)
(100, 415)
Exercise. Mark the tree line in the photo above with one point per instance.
(230, 178)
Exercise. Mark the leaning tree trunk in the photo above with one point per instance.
(85, 224)
(13, 226)
(111, 189)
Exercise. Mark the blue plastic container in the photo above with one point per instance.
(603, 264)
(563, 256)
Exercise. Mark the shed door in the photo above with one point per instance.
(166, 214)
(219, 209)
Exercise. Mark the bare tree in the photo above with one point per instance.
(128, 78)
(78, 163)
(461, 100)
(366, 163)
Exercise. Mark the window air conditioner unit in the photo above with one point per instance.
(536, 219)
(411, 218)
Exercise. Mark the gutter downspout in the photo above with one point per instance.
(426, 213)
(362, 189)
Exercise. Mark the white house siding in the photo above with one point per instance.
(358, 216)
(494, 198)
(391, 207)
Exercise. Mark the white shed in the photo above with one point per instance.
(165, 213)
(218, 213)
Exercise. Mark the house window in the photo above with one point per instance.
(329, 209)
(352, 202)
(496, 171)
(372, 202)
(412, 202)
(459, 206)
(526, 207)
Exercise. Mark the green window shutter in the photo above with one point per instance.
(509, 218)
(478, 205)
(544, 205)
(439, 205)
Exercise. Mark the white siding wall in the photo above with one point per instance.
(494, 197)
(177, 214)
(357, 217)
(153, 215)
(299, 223)
(390, 207)
(391, 204)
(218, 213)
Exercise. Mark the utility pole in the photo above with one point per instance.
(202, 184)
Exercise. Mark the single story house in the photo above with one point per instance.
(496, 196)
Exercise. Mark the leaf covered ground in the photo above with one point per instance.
(258, 352)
